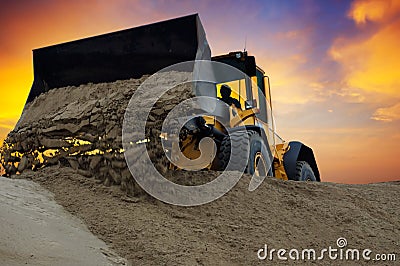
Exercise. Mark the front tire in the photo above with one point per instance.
(259, 163)
(239, 140)
(255, 153)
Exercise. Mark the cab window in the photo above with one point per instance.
(238, 88)
(261, 95)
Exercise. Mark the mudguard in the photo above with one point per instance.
(299, 152)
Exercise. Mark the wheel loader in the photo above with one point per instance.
(144, 50)
(248, 122)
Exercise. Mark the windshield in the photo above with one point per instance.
(238, 92)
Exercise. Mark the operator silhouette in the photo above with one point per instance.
(226, 96)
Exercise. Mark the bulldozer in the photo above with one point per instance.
(144, 50)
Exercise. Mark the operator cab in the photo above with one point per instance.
(252, 91)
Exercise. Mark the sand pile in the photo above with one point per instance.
(81, 127)
(230, 231)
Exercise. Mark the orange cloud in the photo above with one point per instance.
(370, 60)
(387, 114)
(372, 64)
(373, 10)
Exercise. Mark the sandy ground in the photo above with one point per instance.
(35, 230)
(230, 230)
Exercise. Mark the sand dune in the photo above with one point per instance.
(231, 230)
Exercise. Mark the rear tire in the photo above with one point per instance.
(304, 172)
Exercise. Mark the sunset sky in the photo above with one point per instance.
(334, 65)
